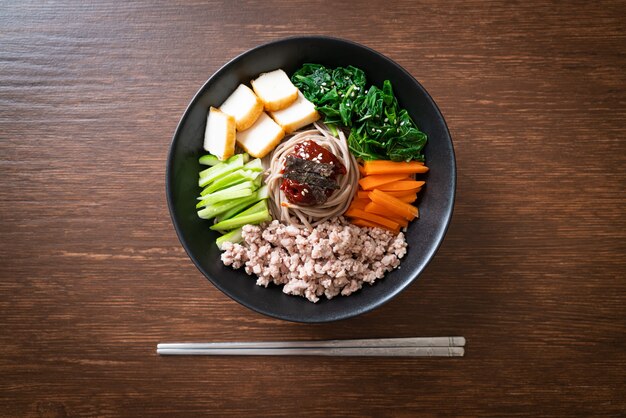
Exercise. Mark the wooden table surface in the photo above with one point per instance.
(532, 271)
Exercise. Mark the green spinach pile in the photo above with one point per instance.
(379, 128)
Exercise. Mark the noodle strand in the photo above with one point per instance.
(336, 204)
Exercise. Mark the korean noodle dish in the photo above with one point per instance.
(311, 180)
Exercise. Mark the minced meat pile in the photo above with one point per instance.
(333, 258)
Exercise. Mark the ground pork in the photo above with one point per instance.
(333, 258)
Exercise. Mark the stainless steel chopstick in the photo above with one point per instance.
(330, 351)
(370, 342)
(414, 346)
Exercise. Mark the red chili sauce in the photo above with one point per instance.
(310, 174)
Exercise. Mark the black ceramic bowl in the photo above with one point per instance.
(423, 236)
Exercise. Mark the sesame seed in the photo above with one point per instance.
(386, 119)
(352, 95)
(401, 123)
(324, 83)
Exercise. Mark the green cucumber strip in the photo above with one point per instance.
(236, 222)
(263, 192)
(224, 195)
(210, 174)
(258, 181)
(255, 165)
(235, 177)
(209, 160)
(217, 166)
(260, 206)
(233, 236)
(211, 211)
(245, 203)
(243, 185)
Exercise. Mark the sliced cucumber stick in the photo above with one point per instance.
(233, 236)
(209, 160)
(225, 196)
(245, 203)
(228, 180)
(257, 207)
(254, 165)
(239, 221)
(211, 174)
(211, 211)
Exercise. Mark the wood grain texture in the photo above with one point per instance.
(532, 272)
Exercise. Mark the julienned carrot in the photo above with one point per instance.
(359, 203)
(381, 210)
(408, 198)
(372, 182)
(395, 205)
(361, 214)
(368, 224)
(364, 194)
(392, 167)
(400, 193)
(363, 222)
(397, 193)
(397, 186)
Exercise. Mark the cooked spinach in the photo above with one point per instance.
(331, 90)
(379, 128)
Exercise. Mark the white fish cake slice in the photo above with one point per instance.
(262, 137)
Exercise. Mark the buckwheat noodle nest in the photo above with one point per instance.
(336, 204)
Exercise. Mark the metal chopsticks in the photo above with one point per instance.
(383, 347)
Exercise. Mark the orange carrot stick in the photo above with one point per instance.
(395, 205)
(408, 198)
(381, 210)
(361, 214)
(359, 203)
(363, 222)
(401, 185)
(401, 193)
(392, 167)
(372, 182)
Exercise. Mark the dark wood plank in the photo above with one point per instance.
(532, 270)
